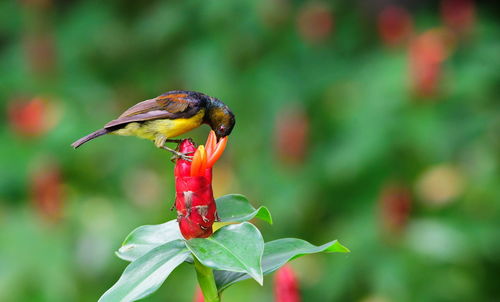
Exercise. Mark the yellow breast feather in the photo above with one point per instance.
(162, 127)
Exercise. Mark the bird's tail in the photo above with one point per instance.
(91, 136)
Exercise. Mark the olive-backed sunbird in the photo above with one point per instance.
(169, 115)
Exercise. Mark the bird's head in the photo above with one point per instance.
(220, 118)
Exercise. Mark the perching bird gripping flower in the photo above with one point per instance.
(234, 252)
(169, 115)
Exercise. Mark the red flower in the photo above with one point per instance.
(286, 286)
(195, 204)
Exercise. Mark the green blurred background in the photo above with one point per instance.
(373, 122)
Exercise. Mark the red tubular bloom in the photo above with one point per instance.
(195, 204)
(286, 286)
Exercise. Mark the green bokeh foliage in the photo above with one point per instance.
(367, 130)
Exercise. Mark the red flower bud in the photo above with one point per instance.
(286, 286)
(195, 204)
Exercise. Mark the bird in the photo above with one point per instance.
(169, 115)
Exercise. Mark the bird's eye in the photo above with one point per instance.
(222, 128)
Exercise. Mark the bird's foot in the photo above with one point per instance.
(177, 154)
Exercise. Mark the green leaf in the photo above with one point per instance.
(147, 237)
(236, 208)
(145, 275)
(235, 248)
(276, 254)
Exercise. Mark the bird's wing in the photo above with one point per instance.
(165, 106)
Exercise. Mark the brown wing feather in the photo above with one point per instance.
(147, 116)
(168, 106)
(173, 104)
(140, 108)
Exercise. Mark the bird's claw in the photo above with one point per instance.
(177, 154)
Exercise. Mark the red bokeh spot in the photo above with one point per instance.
(315, 22)
(46, 191)
(292, 134)
(32, 117)
(395, 25)
(395, 207)
(427, 52)
(458, 15)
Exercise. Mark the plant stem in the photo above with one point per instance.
(206, 281)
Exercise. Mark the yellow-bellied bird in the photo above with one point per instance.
(169, 115)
